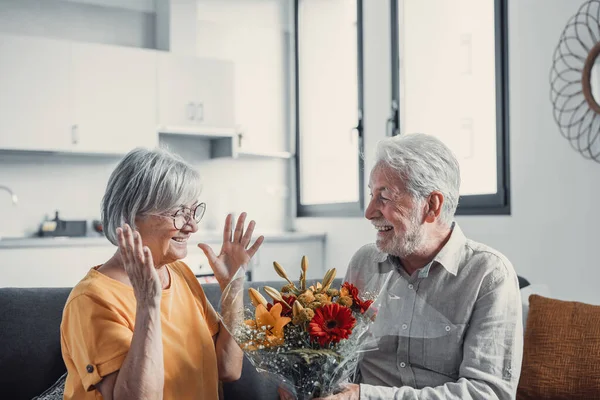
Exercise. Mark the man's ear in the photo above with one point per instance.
(434, 206)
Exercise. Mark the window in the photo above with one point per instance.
(453, 84)
(328, 107)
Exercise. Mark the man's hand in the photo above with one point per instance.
(351, 392)
(234, 251)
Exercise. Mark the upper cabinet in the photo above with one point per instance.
(35, 99)
(89, 98)
(195, 94)
(114, 93)
(76, 97)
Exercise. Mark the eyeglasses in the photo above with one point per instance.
(183, 216)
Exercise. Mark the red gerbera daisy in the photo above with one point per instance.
(286, 311)
(349, 289)
(331, 323)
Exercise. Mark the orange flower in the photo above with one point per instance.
(270, 323)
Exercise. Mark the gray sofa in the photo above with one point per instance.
(30, 357)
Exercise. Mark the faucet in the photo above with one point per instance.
(13, 196)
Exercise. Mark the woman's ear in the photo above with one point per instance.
(434, 206)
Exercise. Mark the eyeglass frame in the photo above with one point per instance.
(187, 216)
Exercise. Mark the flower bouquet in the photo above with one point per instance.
(308, 337)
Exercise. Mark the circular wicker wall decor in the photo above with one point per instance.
(575, 81)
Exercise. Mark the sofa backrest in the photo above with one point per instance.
(30, 357)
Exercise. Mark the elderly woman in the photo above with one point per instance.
(139, 326)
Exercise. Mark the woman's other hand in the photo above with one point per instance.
(234, 251)
(137, 261)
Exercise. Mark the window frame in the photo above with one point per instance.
(354, 209)
(485, 204)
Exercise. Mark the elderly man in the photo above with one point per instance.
(450, 323)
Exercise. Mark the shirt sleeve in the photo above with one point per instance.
(493, 349)
(96, 338)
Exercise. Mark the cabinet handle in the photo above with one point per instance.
(200, 112)
(191, 111)
(75, 134)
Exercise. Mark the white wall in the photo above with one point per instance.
(551, 236)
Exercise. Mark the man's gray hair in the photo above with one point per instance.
(425, 164)
(147, 181)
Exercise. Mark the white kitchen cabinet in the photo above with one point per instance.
(50, 266)
(195, 92)
(35, 102)
(57, 265)
(65, 96)
(76, 97)
(115, 98)
(289, 255)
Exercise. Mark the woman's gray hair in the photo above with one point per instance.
(147, 181)
(425, 164)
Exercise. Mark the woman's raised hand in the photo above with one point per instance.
(137, 261)
(234, 251)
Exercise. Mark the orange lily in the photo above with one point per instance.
(269, 322)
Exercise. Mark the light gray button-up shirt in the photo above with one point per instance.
(451, 330)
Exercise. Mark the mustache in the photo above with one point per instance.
(380, 222)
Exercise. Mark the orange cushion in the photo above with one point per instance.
(561, 355)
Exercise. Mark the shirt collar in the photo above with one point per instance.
(451, 254)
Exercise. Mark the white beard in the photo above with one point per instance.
(412, 240)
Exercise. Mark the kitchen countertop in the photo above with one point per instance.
(91, 241)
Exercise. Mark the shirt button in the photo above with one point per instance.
(402, 365)
(447, 328)
(404, 326)
(410, 286)
(89, 369)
